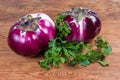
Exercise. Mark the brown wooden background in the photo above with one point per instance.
(15, 67)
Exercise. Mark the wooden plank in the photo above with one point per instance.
(13, 66)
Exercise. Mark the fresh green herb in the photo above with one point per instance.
(61, 26)
(104, 63)
(103, 46)
(62, 51)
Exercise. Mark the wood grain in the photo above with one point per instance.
(16, 67)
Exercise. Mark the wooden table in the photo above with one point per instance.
(16, 67)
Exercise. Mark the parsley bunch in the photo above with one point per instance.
(62, 51)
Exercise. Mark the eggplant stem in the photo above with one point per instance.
(77, 13)
(28, 23)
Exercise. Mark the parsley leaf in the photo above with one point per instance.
(104, 63)
(61, 51)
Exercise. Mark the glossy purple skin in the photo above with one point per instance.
(85, 29)
(29, 43)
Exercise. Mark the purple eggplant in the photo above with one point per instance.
(31, 34)
(83, 23)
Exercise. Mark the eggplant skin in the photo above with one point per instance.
(83, 23)
(30, 42)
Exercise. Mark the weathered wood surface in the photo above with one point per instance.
(15, 67)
